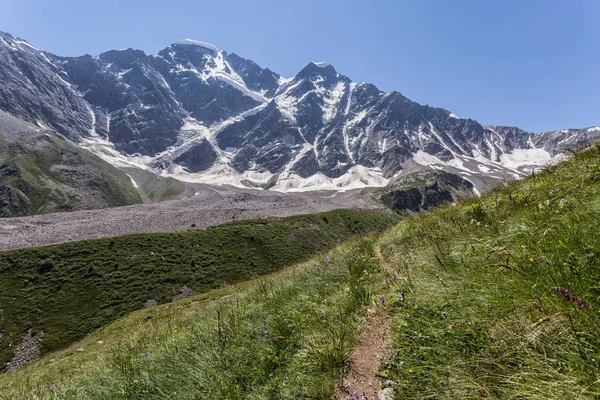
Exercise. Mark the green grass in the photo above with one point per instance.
(155, 188)
(480, 317)
(56, 175)
(286, 336)
(66, 291)
(369, 190)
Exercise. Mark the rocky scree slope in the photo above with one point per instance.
(202, 114)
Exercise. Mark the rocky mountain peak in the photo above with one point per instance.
(208, 114)
(318, 69)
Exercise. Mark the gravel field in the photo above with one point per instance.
(205, 206)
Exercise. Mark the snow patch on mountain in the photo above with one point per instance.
(107, 151)
(220, 174)
(332, 101)
(528, 157)
(427, 160)
(191, 42)
(219, 69)
(358, 177)
(133, 182)
(458, 163)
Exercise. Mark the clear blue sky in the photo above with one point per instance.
(530, 63)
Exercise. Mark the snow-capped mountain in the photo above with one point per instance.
(203, 114)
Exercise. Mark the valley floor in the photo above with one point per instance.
(205, 206)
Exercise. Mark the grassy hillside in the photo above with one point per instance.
(154, 188)
(496, 297)
(502, 293)
(285, 336)
(43, 172)
(64, 292)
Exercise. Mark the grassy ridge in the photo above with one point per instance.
(155, 188)
(68, 290)
(486, 312)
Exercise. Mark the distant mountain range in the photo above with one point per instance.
(201, 114)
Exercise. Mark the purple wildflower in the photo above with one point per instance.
(266, 334)
(391, 249)
(382, 301)
(569, 297)
(328, 260)
(355, 395)
(582, 304)
(402, 295)
(318, 268)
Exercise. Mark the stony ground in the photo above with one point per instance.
(204, 206)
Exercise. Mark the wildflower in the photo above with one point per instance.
(382, 301)
(328, 260)
(569, 297)
(391, 249)
(402, 295)
(582, 304)
(355, 395)
(318, 268)
(266, 334)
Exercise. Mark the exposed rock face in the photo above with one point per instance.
(34, 88)
(199, 158)
(195, 109)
